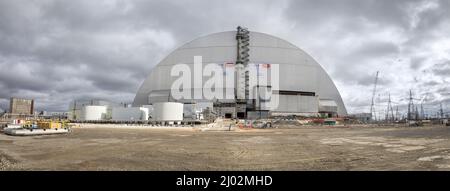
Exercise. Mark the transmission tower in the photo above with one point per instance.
(441, 111)
(422, 111)
(416, 112)
(396, 113)
(372, 108)
(389, 111)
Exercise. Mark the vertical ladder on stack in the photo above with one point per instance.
(242, 83)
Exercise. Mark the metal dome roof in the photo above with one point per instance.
(300, 72)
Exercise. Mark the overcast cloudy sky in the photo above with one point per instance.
(57, 51)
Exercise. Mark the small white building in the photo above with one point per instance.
(150, 110)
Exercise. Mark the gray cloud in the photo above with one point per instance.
(56, 51)
(442, 69)
(378, 49)
(401, 39)
(416, 62)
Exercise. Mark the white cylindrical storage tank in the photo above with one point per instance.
(168, 111)
(93, 112)
(149, 110)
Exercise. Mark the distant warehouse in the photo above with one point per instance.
(21, 106)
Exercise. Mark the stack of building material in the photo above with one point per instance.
(49, 125)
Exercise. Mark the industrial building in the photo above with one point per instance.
(304, 86)
(90, 109)
(362, 117)
(19, 106)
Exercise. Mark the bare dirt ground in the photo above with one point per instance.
(303, 148)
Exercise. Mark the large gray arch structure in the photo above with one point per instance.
(299, 71)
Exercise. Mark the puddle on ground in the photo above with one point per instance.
(391, 145)
(257, 139)
(432, 158)
(106, 141)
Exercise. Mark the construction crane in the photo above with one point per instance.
(372, 108)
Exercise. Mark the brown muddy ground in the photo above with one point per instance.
(303, 148)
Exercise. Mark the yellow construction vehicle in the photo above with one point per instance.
(52, 124)
(49, 125)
